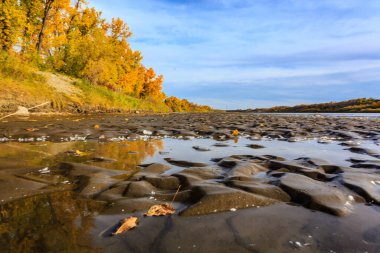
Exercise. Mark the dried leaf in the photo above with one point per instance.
(235, 132)
(96, 126)
(126, 224)
(32, 129)
(160, 210)
(80, 153)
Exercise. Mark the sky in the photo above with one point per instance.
(237, 54)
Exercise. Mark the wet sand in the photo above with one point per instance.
(284, 184)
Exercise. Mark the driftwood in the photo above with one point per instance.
(23, 111)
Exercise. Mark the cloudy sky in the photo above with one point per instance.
(257, 53)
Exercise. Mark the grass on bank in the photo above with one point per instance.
(23, 84)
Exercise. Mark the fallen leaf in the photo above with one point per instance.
(160, 210)
(32, 129)
(48, 125)
(126, 224)
(235, 133)
(262, 125)
(96, 126)
(81, 153)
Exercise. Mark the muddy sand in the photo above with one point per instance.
(277, 184)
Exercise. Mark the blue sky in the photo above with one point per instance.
(257, 53)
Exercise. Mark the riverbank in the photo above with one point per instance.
(23, 84)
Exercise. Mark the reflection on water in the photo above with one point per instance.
(122, 155)
(56, 222)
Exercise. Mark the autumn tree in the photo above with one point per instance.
(11, 21)
(71, 37)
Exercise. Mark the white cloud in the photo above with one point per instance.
(296, 43)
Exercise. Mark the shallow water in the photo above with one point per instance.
(63, 222)
(127, 155)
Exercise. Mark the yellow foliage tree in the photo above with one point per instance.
(11, 21)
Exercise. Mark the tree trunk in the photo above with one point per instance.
(48, 5)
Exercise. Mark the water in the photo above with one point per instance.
(62, 221)
(128, 155)
(344, 115)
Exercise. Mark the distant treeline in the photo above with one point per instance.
(72, 38)
(363, 105)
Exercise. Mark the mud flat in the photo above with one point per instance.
(277, 184)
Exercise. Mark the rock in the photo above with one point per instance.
(211, 198)
(180, 163)
(162, 133)
(331, 169)
(156, 168)
(228, 162)
(140, 189)
(255, 146)
(255, 137)
(221, 145)
(147, 132)
(294, 139)
(185, 133)
(366, 185)
(246, 170)
(182, 196)
(150, 170)
(115, 193)
(163, 182)
(311, 162)
(349, 144)
(346, 135)
(92, 180)
(266, 190)
(290, 165)
(131, 205)
(364, 151)
(221, 135)
(22, 111)
(366, 166)
(190, 176)
(134, 136)
(317, 195)
(202, 149)
(324, 141)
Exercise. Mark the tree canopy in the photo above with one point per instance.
(73, 38)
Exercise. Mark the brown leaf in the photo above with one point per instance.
(96, 126)
(160, 210)
(32, 129)
(126, 224)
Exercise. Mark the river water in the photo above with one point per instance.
(59, 219)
